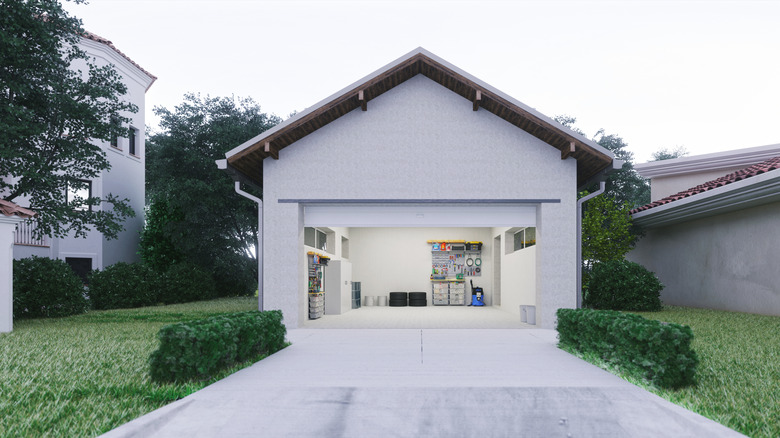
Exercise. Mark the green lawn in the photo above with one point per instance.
(738, 377)
(87, 374)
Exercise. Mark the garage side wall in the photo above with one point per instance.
(417, 141)
(726, 262)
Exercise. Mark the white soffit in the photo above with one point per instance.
(419, 215)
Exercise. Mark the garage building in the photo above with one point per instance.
(374, 179)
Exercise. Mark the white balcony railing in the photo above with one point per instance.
(25, 235)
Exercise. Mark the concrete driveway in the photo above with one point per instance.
(422, 383)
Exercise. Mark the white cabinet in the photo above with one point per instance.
(338, 287)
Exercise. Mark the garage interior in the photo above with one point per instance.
(356, 256)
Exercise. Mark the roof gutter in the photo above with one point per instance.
(222, 165)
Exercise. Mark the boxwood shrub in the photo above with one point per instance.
(198, 349)
(656, 351)
(45, 288)
(123, 285)
(622, 285)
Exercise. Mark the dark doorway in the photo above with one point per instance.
(81, 266)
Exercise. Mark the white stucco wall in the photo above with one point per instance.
(518, 272)
(419, 141)
(726, 262)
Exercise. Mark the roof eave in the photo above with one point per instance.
(750, 192)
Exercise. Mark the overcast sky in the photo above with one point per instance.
(700, 74)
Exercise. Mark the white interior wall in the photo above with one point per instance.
(518, 274)
(399, 259)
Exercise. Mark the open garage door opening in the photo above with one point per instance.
(412, 266)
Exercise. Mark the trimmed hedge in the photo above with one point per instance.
(622, 285)
(198, 349)
(46, 288)
(657, 351)
(123, 285)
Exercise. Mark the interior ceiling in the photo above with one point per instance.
(589, 161)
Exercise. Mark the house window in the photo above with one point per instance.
(315, 238)
(115, 126)
(132, 138)
(77, 195)
(525, 238)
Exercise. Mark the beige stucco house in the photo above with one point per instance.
(713, 229)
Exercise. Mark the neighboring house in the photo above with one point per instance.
(126, 179)
(416, 151)
(713, 229)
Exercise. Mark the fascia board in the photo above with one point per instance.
(419, 50)
(750, 192)
(708, 162)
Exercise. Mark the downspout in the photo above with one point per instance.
(222, 165)
(259, 248)
(580, 202)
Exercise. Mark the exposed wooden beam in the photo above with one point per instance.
(271, 151)
(566, 153)
(477, 100)
(362, 99)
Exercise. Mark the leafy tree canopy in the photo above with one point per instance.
(669, 154)
(218, 227)
(52, 113)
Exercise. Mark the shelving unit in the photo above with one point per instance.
(449, 267)
(316, 292)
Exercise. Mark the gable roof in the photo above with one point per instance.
(247, 158)
(100, 39)
(751, 171)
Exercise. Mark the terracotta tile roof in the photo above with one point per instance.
(756, 169)
(100, 39)
(10, 209)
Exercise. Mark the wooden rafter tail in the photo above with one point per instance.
(271, 151)
(363, 102)
(566, 153)
(477, 100)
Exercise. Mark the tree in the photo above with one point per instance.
(669, 154)
(51, 116)
(157, 248)
(218, 227)
(607, 232)
(625, 185)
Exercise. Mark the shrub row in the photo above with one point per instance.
(46, 288)
(657, 351)
(622, 285)
(124, 285)
(198, 349)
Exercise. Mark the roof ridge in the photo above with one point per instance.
(738, 175)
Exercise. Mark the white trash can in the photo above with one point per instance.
(368, 301)
(381, 300)
(523, 314)
(530, 314)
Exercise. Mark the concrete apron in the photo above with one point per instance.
(429, 382)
